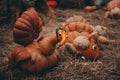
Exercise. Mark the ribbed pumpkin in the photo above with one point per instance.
(90, 8)
(30, 58)
(77, 23)
(27, 27)
(83, 44)
(78, 26)
(38, 55)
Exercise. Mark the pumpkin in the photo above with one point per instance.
(31, 58)
(78, 26)
(27, 27)
(20, 54)
(84, 44)
(77, 23)
(38, 55)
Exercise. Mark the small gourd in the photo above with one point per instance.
(113, 8)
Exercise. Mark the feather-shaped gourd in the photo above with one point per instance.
(27, 27)
(83, 43)
(30, 59)
(77, 23)
(80, 24)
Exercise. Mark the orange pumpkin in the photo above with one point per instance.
(78, 26)
(27, 27)
(90, 8)
(77, 23)
(80, 35)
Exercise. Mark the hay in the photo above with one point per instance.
(71, 3)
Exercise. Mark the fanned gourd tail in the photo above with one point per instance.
(77, 23)
(27, 27)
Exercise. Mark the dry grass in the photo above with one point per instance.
(70, 67)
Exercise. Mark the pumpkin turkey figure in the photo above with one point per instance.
(113, 8)
(83, 44)
(82, 37)
(39, 55)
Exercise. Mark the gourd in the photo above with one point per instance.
(77, 23)
(113, 8)
(80, 24)
(90, 8)
(83, 44)
(27, 27)
(30, 58)
(38, 55)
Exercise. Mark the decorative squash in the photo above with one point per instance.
(39, 55)
(103, 39)
(83, 44)
(90, 8)
(81, 38)
(78, 26)
(113, 8)
(77, 23)
(31, 59)
(27, 27)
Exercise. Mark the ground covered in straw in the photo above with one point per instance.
(70, 67)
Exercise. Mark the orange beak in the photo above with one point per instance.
(62, 37)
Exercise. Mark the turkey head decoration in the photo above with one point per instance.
(89, 49)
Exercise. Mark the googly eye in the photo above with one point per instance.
(59, 34)
(94, 47)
